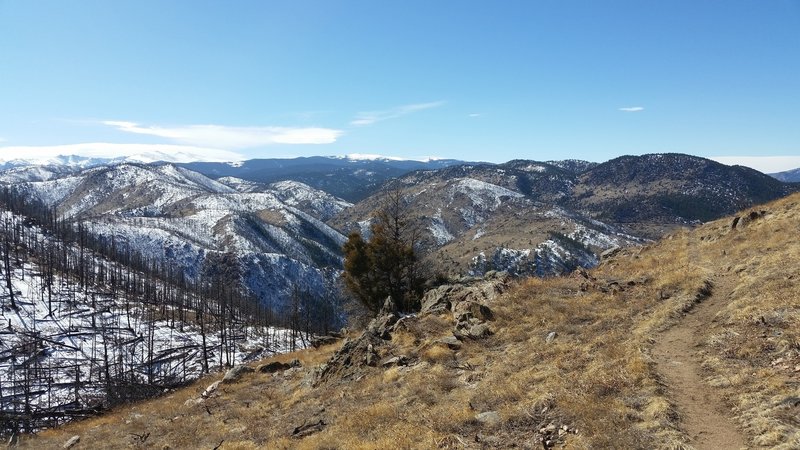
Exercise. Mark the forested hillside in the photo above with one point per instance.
(85, 324)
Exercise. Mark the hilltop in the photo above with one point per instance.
(596, 359)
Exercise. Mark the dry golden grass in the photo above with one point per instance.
(597, 376)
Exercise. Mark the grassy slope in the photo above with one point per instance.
(596, 377)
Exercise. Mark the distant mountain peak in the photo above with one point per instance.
(376, 157)
(788, 176)
(84, 162)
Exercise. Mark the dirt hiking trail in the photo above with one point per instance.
(704, 417)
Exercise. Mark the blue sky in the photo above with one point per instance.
(488, 80)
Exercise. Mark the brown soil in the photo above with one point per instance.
(704, 416)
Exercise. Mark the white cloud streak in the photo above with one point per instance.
(766, 164)
(220, 136)
(632, 109)
(139, 152)
(371, 117)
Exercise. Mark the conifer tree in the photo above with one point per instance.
(387, 264)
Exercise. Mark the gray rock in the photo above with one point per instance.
(72, 441)
(383, 325)
(479, 331)
(451, 341)
(551, 336)
(488, 418)
(395, 361)
(473, 309)
(437, 300)
(611, 252)
(371, 358)
(741, 222)
(211, 389)
(236, 373)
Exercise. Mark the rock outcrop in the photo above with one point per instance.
(465, 303)
(349, 362)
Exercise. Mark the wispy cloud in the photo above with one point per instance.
(220, 136)
(140, 152)
(371, 117)
(475, 115)
(766, 164)
(632, 109)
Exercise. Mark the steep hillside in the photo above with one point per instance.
(593, 360)
(179, 217)
(80, 332)
(476, 218)
(293, 193)
(660, 190)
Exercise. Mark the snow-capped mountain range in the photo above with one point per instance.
(284, 218)
(83, 162)
(171, 214)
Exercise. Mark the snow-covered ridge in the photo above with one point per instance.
(176, 215)
(481, 193)
(77, 161)
(376, 157)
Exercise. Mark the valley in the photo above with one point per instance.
(231, 270)
(575, 362)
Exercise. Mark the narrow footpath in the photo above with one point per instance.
(704, 417)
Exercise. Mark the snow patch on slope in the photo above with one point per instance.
(439, 230)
